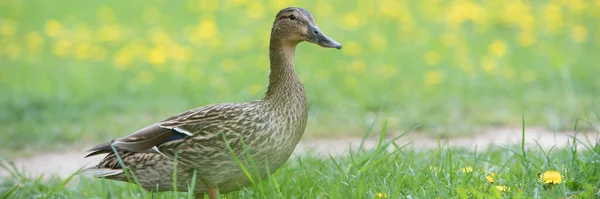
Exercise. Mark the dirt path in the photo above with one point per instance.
(65, 163)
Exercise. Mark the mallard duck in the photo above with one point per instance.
(216, 141)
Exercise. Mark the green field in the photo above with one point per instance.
(495, 172)
(74, 73)
(93, 70)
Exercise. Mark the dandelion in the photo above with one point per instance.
(497, 48)
(579, 34)
(502, 188)
(526, 38)
(381, 195)
(490, 177)
(254, 89)
(550, 177)
(228, 65)
(256, 10)
(351, 21)
(8, 27)
(467, 169)
(52, 28)
(432, 58)
(434, 77)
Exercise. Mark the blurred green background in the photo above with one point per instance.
(77, 72)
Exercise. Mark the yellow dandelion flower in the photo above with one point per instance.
(82, 51)
(351, 21)
(553, 17)
(209, 6)
(8, 27)
(550, 177)
(254, 89)
(381, 195)
(34, 41)
(432, 58)
(490, 177)
(467, 169)
(256, 10)
(123, 58)
(61, 48)
(110, 32)
(497, 48)
(357, 67)
(526, 38)
(352, 48)
(488, 65)
(502, 188)
(579, 34)
(157, 55)
(378, 41)
(228, 65)
(433, 77)
(52, 28)
(434, 169)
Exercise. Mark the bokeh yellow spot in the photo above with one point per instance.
(378, 41)
(82, 51)
(432, 58)
(357, 67)
(53, 28)
(488, 65)
(123, 58)
(553, 17)
(35, 41)
(228, 65)
(62, 48)
(352, 48)
(110, 32)
(254, 89)
(351, 21)
(256, 10)
(157, 55)
(497, 48)
(8, 27)
(433, 77)
(579, 34)
(526, 38)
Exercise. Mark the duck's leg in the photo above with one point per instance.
(212, 193)
(199, 196)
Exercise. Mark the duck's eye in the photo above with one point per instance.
(292, 17)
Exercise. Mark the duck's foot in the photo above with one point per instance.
(212, 193)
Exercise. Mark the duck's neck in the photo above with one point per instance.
(284, 84)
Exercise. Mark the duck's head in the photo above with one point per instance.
(293, 25)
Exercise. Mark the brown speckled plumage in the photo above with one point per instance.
(265, 131)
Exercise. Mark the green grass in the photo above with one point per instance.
(364, 173)
(98, 74)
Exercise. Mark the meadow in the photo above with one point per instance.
(73, 73)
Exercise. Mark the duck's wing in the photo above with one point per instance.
(172, 129)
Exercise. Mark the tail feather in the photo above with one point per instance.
(100, 172)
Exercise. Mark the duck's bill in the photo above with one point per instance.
(317, 37)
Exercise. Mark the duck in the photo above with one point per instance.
(220, 148)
